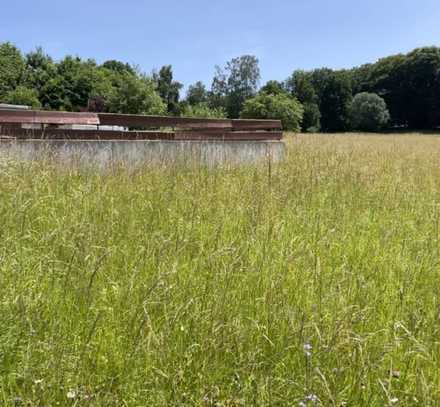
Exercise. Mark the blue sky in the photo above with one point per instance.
(196, 35)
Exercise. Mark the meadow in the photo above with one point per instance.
(313, 282)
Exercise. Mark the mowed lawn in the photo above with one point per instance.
(311, 282)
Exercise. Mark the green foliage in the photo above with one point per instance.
(334, 92)
(77, 81)
(326, 96)
(136, 95)
(368, 112)
(41, 75)
(12, 66)
(74, 84)
(118, 67)
(409, 84)
(168, 89)
(218, 92)
(202, 110)
(273, 88)
(422, 88)
(234, 84)
(280, 106)
(300, 86)
(386, 79)
(22, 96)
(197, 94)
(312, 118)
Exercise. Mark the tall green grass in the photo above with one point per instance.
(311, 282)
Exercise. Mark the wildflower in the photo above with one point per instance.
(308, 349)
(312, 397)
(309, 399)
(71, 394)
(394, 401)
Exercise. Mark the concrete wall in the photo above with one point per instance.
(135, 153)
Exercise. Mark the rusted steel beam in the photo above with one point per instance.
(46, 117)
(9, 116)
(132, 120)
(68, 134)
(186, 122)
(230, 136)
(12, 121)
(248, 124)
(204, 132)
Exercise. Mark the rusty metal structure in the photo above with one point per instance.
(35, 124)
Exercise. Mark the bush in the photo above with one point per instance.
(22, 96)
(368, 112)
(280, 106)
(136, 95)
(202, 110)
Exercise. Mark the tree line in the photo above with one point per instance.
(399, 91)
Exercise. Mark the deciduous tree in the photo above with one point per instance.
(12, 67)
(368, 112)
(168, 89)
(197, 94)
(235, 83)
(280, 106)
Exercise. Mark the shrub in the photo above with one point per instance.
(280, 106)
(202, 110)
(136, 95)
(22, 96)
(368, 112)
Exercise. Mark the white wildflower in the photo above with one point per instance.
(308, 349)
(71, 394)
(312, 397)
